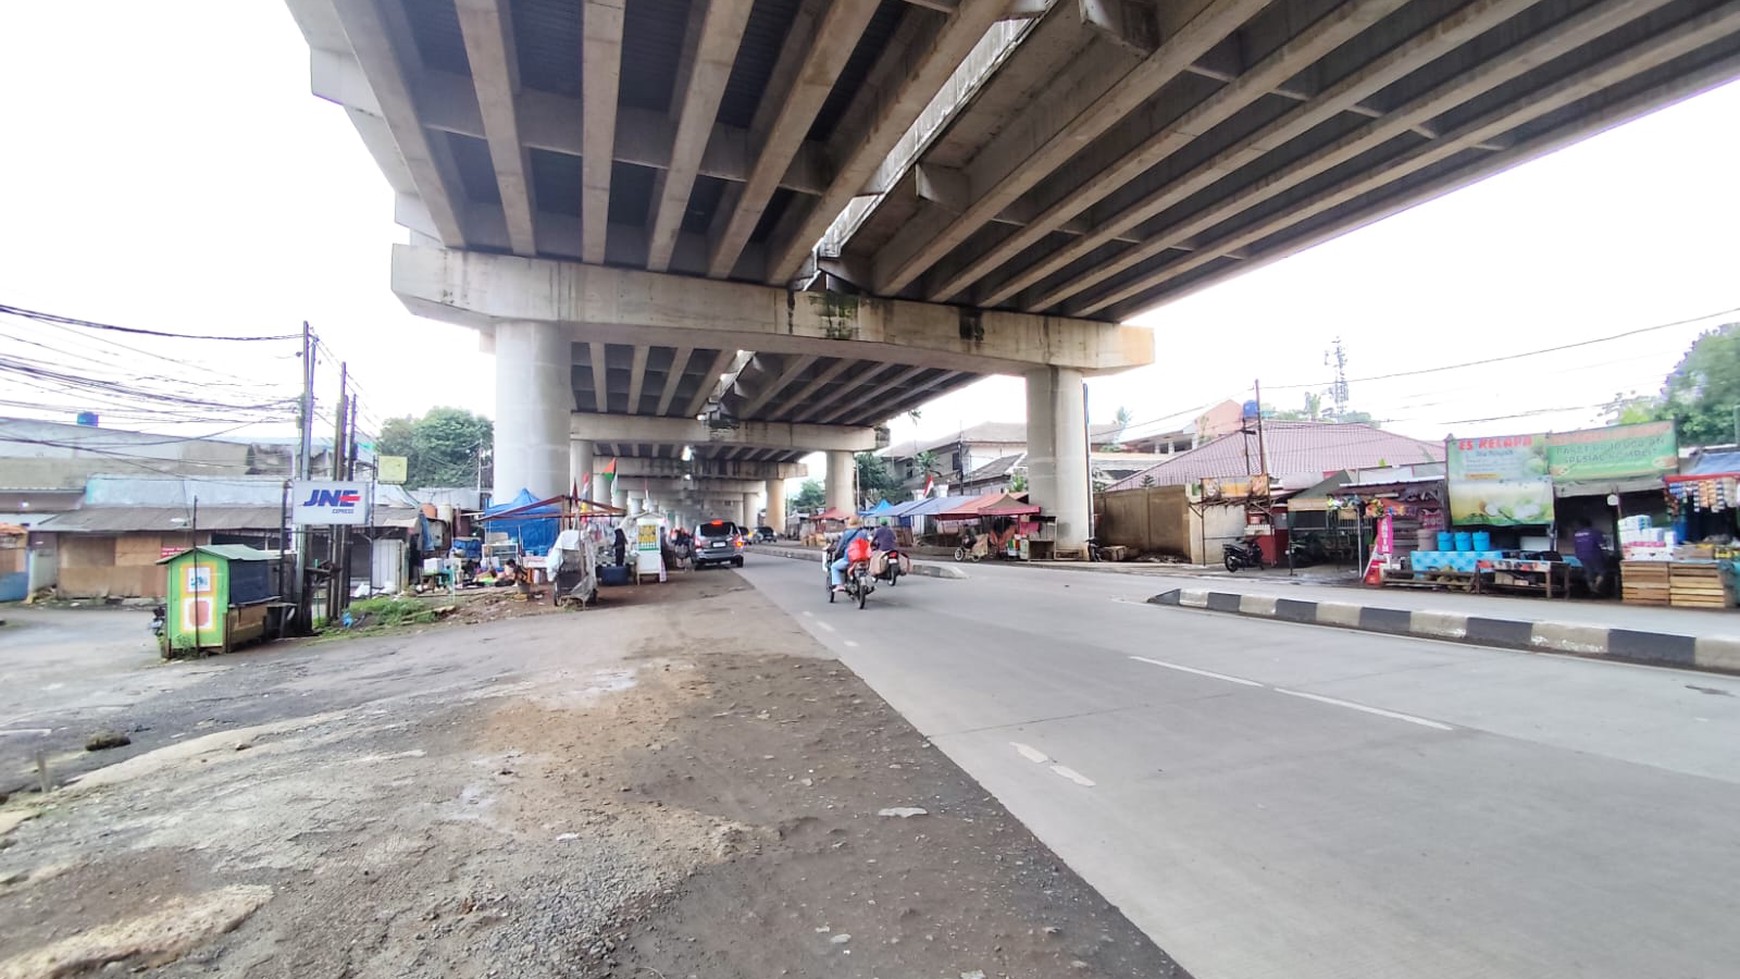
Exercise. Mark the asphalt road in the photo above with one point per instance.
(1276, 800)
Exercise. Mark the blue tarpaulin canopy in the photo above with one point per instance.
(939, 504)
(533, 523)
(880, 509)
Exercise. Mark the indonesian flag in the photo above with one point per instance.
(929, 482)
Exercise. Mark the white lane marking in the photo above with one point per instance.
(1379, 711)
(1191, 669)
(1073, 775)
(826, 626)
(809, 613)
(851, 644)
(1031, 754)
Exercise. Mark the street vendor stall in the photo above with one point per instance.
(1011, 526)
(1693, 563)
(220, 596)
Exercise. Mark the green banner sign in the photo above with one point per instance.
(1613, 453)
(1499, 482)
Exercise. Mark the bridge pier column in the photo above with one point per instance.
(750, 506)
(1057, 452)
(533, 400)
(580, 467)
(776, 505)
(618, 493)
(840, 495)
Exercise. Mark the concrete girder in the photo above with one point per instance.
(637, 378)
(627, 466)
(600, 64)
(679, 364)
(898, 89)
(1660, 49)
(707, 390)
(489, 47)
(702, 87)
(1515, 61)
(660, 486)
(388, 81)
(814, 384)
(870, 393)
(1329, 32)
(1435, 41)
(791, 367)
(1064, 119)
(787, 436)
(600, 378)
(611, 305)
(801, 82)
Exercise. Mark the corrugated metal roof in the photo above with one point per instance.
(167, 520)
(1294, 449)
(230, 552)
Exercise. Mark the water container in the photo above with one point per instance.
(1482, 540)
(1464, 541)
(1446, 540)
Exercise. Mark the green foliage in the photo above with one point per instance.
(809, 497)
(443, 447)
(1018, 483)
(927, 463)
(875, 480)
(1703, 391)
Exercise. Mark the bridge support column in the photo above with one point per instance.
(618, 493)
(776, 505)
(580, 467)
(750, 506)
(533, 401)
(1057, 452)
(840, 495)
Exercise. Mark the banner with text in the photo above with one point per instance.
(1616, 452)
(323, 501)
(1499, 482)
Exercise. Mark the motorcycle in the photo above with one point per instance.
(891, 569)
(972, 547)
(1242, 555)
(159, 617)
(856, 580)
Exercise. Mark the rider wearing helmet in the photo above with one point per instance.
(837, 570)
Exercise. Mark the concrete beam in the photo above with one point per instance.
(1505, 66)
(885, 387)
(371, 43)
(600, 378)
(679, 364)
(600, 65)
(702, 88)
(1435, 41)
(612, 305)
(898, 90)
(809, 64)
(662, 487)
(637, 378)
(1056, 126)
(1658, 50)
(684, 431)
(824, 377)
(711, 381)
(489, 47)
(791, 367)
(1335, 28)
(627, 466)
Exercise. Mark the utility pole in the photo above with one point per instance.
(304, 455)
(338, 538)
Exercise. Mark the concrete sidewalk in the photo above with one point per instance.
(1705, 640)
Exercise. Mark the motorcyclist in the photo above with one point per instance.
(883, 539)
(837, 569)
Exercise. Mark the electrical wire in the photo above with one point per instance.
(42, 317)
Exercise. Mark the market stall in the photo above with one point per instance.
(1692, 563)
(1012, 527)
(220, 596)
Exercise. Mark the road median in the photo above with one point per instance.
(1718, 654)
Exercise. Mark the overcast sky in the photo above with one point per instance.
(166, 167)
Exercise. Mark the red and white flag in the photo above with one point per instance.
(929, 481)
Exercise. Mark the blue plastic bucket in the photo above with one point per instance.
(1482, 540)
(1446, 540)
(1464, 541)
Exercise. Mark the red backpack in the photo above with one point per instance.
(858, 549)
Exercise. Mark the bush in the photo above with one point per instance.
(386, 610)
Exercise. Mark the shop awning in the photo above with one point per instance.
(999, 504)
(939, 504)
(1710, 465)
(903, 509)
(1605, 487)
(831, 514)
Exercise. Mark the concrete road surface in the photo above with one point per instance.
(1288, 801)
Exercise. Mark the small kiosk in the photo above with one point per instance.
(220, 597)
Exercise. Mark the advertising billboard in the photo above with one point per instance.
(325, 502)
(1499, 482)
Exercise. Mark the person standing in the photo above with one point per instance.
(1591, 552)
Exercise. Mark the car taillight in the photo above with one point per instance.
(739, 542)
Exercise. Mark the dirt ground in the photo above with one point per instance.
(678, 784)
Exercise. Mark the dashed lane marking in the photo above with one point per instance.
(1030, 753)
(826, 626)
(1379, 711)
(851, 644)
(1191, 669)
(1073, 775)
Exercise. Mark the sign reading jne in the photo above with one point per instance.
(330, 502)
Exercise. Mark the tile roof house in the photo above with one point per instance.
(1299, 454)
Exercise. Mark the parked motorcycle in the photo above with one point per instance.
(1242, 554)
(159, 617)
(972, 547)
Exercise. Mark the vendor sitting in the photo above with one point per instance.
(510, 575)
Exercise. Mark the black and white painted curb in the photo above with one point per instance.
(805, 554)
(1715, 653)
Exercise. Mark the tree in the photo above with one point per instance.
(1121, 421)
(1703, 391)
(445, 447)
(875, 480)
(1312, 412)
(809, 497)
